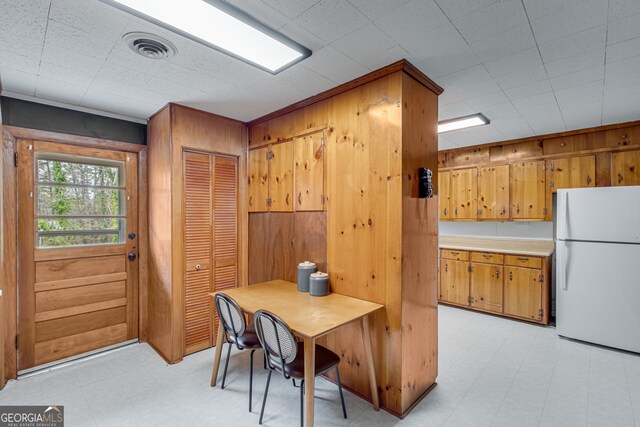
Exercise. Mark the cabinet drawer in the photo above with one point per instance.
(523, 261)
(487, 258)
(454, 254)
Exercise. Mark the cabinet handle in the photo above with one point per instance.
(455, 253)
(456, 212)
(286, 200)
(198, 266)
(588, 180)
(511, 275)
(445, 211)
(503, 211)
(497, 274)
(446, 268)
(299, 198)
(487, 256)
(523, 259)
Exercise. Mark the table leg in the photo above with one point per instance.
(216, 359)
(309, 379)
(366, 338)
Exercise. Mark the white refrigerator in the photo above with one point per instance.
(598, 266)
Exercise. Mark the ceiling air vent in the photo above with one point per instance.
(149, 45)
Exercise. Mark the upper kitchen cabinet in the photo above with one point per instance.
(444, 195)
(259, 180)
(493, 192)
(308, 173)
(528, 190)
(571, 172)
(625, 168)
(464, 194)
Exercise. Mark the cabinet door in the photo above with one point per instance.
(464, 193)
(454, 281)
(444, 195)
(281, 177)
(523, 292)
(625, 168)
(493, 192)
(571, 172)
(309, 172)
(528, 190)
(258, 180)
(486, 287)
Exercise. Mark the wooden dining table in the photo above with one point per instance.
(309, 318)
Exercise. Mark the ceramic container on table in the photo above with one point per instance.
(319, 284)
(304, 271)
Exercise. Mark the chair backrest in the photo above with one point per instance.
(230, 314)
(276, 338)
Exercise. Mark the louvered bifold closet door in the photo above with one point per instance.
(225, 225)
(198, 308)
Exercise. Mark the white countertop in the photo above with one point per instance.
(542, 248)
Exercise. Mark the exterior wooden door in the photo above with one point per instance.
(493, 192)
(454, 282)
(523, 292)
(486, 287)
(211, 244)
(464, 194)
(444, 195)
(77, 251)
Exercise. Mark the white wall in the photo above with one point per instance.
(505, 230)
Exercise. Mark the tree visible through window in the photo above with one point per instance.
(79, 201)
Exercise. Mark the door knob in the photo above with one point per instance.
(132, 256)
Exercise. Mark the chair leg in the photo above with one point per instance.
(264, 361)
(264, 399)
(251, 378)
(302, 403)
(226, 365)
(344, 408)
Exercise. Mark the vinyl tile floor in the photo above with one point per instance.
(493, 372)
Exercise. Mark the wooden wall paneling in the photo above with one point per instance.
(419, 281)
(603, 169)
(622, 137)
(309, 172)
(493, 192)
(258, 180)
(281, 177)
(132, 245)
(259, 251)
(468, 156)
(8, 256)
(160, 233)
(528, 190)
(143, 245)
(506, 153)
(464, 194)
(3, 319)
(309, 240)
(444, 195)
(625, 168)
(198, 248)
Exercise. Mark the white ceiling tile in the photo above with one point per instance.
(578, 78)
(334, 65)
(445, 144)
(17, 81)
(513, 127)
(537, 9)
(458, 8)
(487, 133)
(60, 91)
(300, 34)
(261, 11)
(448, 97)
(619, 9)
(624, 29)
(623, 50)
(242, 75)
(505, 111)
(447, 63)
(382, 59)
(522, 77)
(412, 24)
(494, 19)
(24, 19)
(100, 20)
(374, 9)
(291, 8)
(532, 88)
(305, 80)
(504, 44)
(62, 35)
(620, 105)
(569, 20)
(120, 104)
(572, 64)
(464, 78)
(525, 59)
(477, 89)
(551, 123)
(536, 104)
(462, 138)
(585, 91)
(330, 20)
(67, 65)
(456, 109)
(623, 73)
(591, 40)
(481, 103)
(27, 64)
(364, 43)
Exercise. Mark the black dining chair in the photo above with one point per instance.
(286, 356)
(236, 332)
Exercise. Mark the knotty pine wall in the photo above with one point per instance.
(381, 241)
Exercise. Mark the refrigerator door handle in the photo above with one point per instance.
(563, 215)
(564, 264)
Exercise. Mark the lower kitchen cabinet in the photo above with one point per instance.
(509, 285)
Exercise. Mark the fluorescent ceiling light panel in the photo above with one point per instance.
(462, 122)
(221, 26)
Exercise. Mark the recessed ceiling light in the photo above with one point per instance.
(221, 26)
(462, 122)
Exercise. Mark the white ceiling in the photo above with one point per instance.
(531, 66)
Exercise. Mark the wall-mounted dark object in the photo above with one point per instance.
(425, 187)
